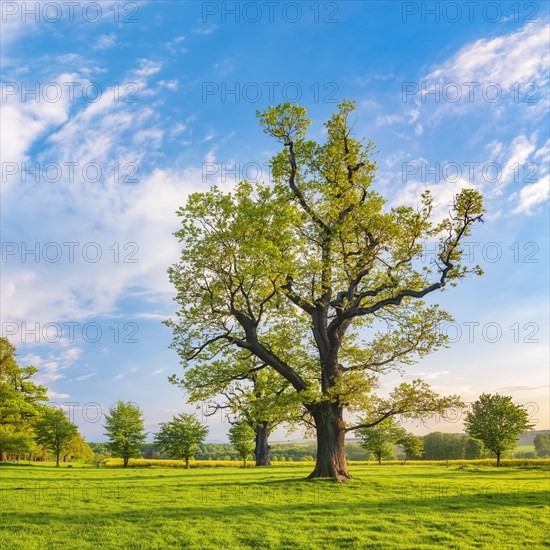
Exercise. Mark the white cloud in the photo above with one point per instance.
(147, 68)
(50, 367)
(520, 56)
(112, 210)
(55, 395)
(532, 195)
(206, 29)
(105, 41)
(85, 376)
(169, 84)
(501, 77)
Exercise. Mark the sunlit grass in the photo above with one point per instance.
(393, 506)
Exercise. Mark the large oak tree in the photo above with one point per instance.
(319, 279)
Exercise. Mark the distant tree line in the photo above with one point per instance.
(437, 446)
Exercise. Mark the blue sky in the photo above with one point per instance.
(130, 116)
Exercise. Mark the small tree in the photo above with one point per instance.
(411, 445)
(542, 445)
(77, 448)
(498, 422)
(54, 431)
(180, 437)
(124, 428)
(242, 437)
(473, 448)
(380, 439)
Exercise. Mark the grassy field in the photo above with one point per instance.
(393, 506)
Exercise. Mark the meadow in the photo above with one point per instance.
(415, 506)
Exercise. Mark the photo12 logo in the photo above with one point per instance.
(71, 331)
(472, 171)
(271, 91)
(469, 12)
(70, 172)
(253, 172)
(44, 11)
(71, 92)
(69, 251)
(470, 92)
(269, 12)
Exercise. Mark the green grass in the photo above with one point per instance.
(408, 507)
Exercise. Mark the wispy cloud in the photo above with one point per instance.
(86, 376)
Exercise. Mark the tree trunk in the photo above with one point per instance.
(245, 462)
(331, 451)
(187, 463)
(3, 456)
(498, 459)
(126, 462)
(379, 460)
(261, 452)
(57, 460)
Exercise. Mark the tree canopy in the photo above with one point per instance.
(124, 428)
(241, 436)
(55, 431)
(21, 402)
(181, 437)
(497, 422)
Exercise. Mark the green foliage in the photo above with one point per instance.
(180, 437)
(78, 449)
(241, 436)
(542, 445)
(473, 448)
(124, 428)
(21, 402)
(55, 431)
(381, 438)
(17, 443)
(443, 446)
(411, 445)
(100, 448)
(498, 422)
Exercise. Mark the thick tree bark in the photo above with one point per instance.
(126, 462)
(498, 459)
(261, 452)
(331, 451)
